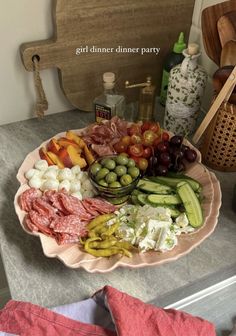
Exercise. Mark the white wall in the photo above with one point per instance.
(24, 21)
(30, 20)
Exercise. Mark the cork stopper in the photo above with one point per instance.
(193, 49)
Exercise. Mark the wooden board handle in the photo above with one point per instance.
(223, 95)
(46, 51)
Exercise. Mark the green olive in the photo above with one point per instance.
(131, 163)
(108, 163)
(103, 183)
(134, 172)
(95, 168)
(122, 160)
(111, 177)
(101, 174)
(120, 170)
(126, 179)
(115, 184)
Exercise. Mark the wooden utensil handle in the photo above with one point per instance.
(223, 95)
(226, 30)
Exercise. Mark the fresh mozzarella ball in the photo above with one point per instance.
(50, 174)
(41, 165)
(50, 185)
(35, 182)
(75, 186)
(30, 173)
(65, 174)
(65, 184)
(76, 170)
(78, 195)
(55, 167)
(79, 175)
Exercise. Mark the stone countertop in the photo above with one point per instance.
(33, 277)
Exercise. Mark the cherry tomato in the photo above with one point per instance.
(135, 158)
(145, 126)
(147, 152)
(134, 129)
(119, 147)
(155, 127)
(135, 150)
(149, 137)
(126, 140)
(156, 141)
(165, 136)
(142, 163)
(136, 139)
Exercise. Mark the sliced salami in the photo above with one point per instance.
(101, 205)
(71, 224)
(61, 215)
(30, 225)
(54, 198)
(27, 197)
(41, 222)
(65, 238)
(75, 207)
(43, 208)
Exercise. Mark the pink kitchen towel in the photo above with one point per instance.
(131, 317)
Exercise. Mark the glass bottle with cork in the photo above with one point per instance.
(110, 103)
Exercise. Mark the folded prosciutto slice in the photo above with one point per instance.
(102, 137)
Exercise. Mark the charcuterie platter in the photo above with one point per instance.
(66, 213)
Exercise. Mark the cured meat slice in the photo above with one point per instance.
(66, 238)
(41, 222)
(75, 207)
(27, 197)
(90, 209)
(102, 137)
(102, 150)
(61, 215)
(100, 205)
(43, 208)
(54, 198)
(71, 224)
(30, 225)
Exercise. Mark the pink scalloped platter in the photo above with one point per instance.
(74, 257)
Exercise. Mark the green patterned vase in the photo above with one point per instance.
(186, 87)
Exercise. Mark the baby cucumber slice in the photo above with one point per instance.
(173, 181)
(164, 199)
(191, 204)
(153, 187)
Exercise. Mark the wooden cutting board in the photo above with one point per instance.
(210, 17)
(113, 24)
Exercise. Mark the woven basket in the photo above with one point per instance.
(219, 146)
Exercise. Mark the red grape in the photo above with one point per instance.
(176, 140)
(190, 155)
(161, 170)
(163, 146)
(165, 159)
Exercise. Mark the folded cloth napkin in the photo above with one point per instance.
(130, 316)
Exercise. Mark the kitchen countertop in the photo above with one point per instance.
(33, 277)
